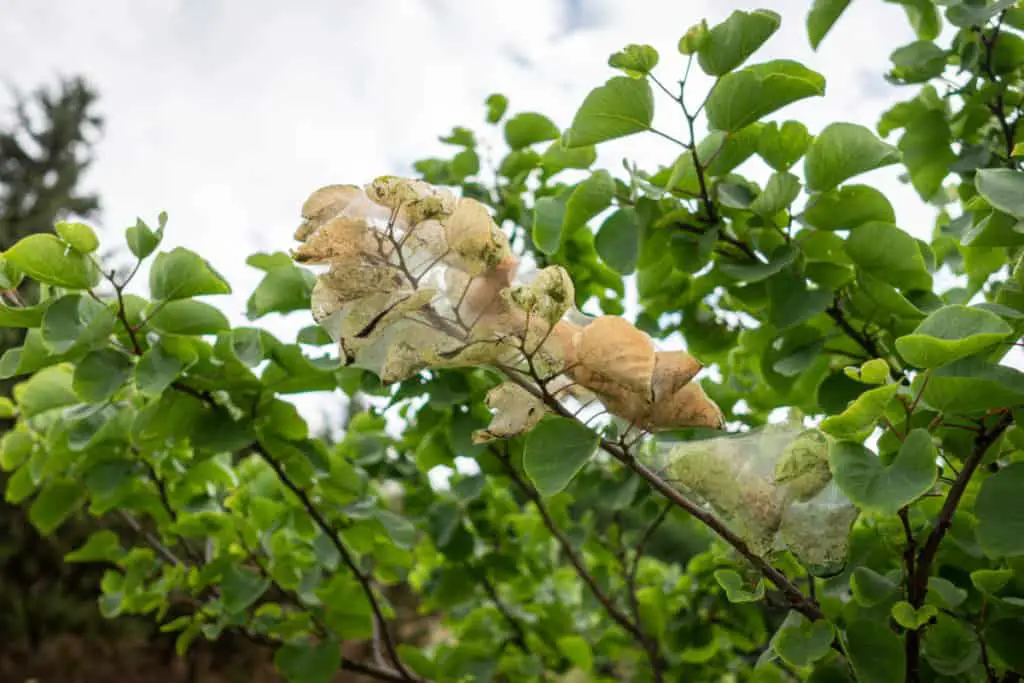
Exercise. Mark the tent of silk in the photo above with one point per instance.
(418, 278)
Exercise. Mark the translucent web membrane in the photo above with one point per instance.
(417, 278)
(772, 487)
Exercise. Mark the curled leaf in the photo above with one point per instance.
(516, 411)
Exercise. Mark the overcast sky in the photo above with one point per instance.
(227, 113)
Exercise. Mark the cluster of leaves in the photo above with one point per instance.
(567, 556)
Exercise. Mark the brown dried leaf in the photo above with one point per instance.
(337, 240)
(688, 407)
(672, 371)
(548, 297)
(516, 411)
(415, 200)
(477, 244)
(614, 356)
(324, 204)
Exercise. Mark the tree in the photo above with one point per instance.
(633, 517)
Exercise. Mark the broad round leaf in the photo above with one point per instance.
(308, 663)
(781, 146)
(821, 18)
(180, 274)
(187, 316)
(844, 150)
(79, 237)
(1003, 188)
(800, 642)
(548, 218)
(890, 254)
(45, 258)
(951, 333)
(590, 198)
(971, 386)
(618, 240)
(742, 97)
(556, 449)
(620, 107)
(282, 290)
(847, 207)
(874, 487)
(528, 128)
(875, 652)
(100, 374)
(1000, 512)
(730, 43)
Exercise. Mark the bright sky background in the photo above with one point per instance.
(228, 113)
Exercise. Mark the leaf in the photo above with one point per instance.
(754, 272)
(23, 316)
(971, 386)
(779, 193)
(912, 619)
(308, 663)
(890, 254)
(548, 217)
(143, 240)
(577, 651)
(282, 290)
(76, 321)
(869, 588)
(590, 198)
(46, 259)
(47, 389)
(848, 207)
(951, 333)
(822, 17)
(1000, 512)
(965, 15)
(917, 62)
(156, 370)
(781, 147)
(401, 530)
(730, 43)
(1003, 188)
(884, 490)
(528, 128)
(496, 106)
(736, 589)
(180, 274)
(620, 107)
(240, 588)
(635, 60)
(800, 642)
(79, 237)
(742, 97)
(189, 317)
(618, 240)
(875, 652)
(949, 646)
(844, 150)
(101, 546)
(991, 581)
(556, 449)
(556, 158)
(1003, 637)
(54, 503)
(945, 594)
(861, 414)
(100, 374)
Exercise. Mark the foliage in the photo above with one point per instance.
(882, 545)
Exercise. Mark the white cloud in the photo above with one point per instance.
(228, 113)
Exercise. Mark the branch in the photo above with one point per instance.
(531, 493)
(650, 642)
(519, 637)
(863, 340)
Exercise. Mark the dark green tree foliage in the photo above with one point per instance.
(886, 544)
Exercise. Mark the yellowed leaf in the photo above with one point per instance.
(515, 411)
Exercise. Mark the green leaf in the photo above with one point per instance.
(15, 448)
(732, 42)
(844, 150)
(401, 530)
(189, 317)
(180, 274)
(950, 647)
(951, 333)
(917, 62)
(1000, 512)
(54, 503)
(1003, 637)
(7, 408)
(102, 546)
(240, 588)
(791, 302)
(556, 449)
(496, 106)
(635, 60)
(781, 147)
(869, 588)
(861, 414)
(156, 370)
(143, 240)
(890, 254)
(577, 651)
(25, 316)
(528, 128)
(590, 198)
(965, 15)
(308, 663)
(991, 581)
(800, 642)
(736, 589)
(100, 374)
(10, 277)
(909, 618)
(79, 237)
(971, 386)
(76, 321)
(1003, 188)
(848, 207)
(556, 158)
(779, 193)
(874, 487)
(620, 107)
(945, 594)
(282, 290)
(47, 389)
(745, 96)
(747, 271)
(548, 218)
(618, 240)
(47, 259)
(822, 17)
(875, 652)
(694, 38)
